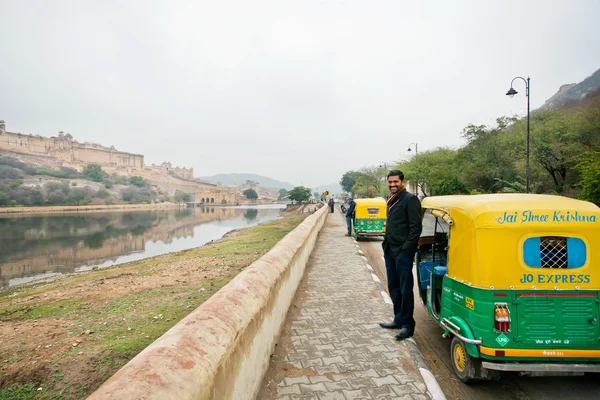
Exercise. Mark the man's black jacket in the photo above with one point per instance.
(404, 225)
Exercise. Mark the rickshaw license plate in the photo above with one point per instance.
(470, 303)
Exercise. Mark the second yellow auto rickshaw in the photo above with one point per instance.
(514, 280)
(369, 218)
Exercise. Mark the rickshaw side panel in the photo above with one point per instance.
(469, 308)
(554, 310)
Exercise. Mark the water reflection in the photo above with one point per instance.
(38, 246)
(251, 214)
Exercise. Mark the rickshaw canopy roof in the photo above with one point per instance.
(378, 201)
(476, 206)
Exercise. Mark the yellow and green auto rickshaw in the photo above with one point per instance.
(369, 217)
(514, 279)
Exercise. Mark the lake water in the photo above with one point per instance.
(35, 247)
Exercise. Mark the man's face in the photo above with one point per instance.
(395, 184)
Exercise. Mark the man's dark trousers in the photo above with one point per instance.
(400, 285)
(349, 224)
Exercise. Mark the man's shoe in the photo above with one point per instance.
(389, 325)
(347, 234)
(404, 334)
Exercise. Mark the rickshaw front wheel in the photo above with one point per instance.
(465, 367)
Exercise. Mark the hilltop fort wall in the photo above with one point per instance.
(75, 154)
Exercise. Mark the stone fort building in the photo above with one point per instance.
(63, 150)
(74, 154)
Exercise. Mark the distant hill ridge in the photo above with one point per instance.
(238, 179)
(572, 93)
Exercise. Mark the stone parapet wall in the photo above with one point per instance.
(222, 349)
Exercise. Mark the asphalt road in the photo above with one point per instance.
(436, 351)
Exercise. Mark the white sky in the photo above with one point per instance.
(300, 91)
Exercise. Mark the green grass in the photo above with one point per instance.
(18, 392)
(123, 326)
(56, 308)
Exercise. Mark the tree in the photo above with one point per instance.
(589, 170)
(491, 155)
(77, 195)
(349, 180)
(94, 172)
(250, 194)
(299, 193)
(56, 197)
(181, 197)
(137, 181)
(436, 171)
(3, 198)
(282, 194)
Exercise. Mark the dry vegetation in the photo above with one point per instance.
(62, 339)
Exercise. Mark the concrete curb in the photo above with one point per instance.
(221, 350)
(433, 386)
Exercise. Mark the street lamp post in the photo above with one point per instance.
(416, 154)
(511, 93)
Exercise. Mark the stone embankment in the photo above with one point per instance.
(222, 349)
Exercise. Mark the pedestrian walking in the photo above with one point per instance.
(403, 229)
(350, 214)
(331, 204)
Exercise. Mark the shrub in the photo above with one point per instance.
(77, 195)
(102, 193)
(129, 194)
(26, 196)
(12, 162)
(119, 180)
(94, 172)
(137, 181)
(56, 197)
(3, 198)
(7, 172)
(136, 195)
(66, 173)
(53, 186)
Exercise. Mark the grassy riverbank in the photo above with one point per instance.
(62, 339)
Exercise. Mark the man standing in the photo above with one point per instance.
(350, 214)
(331, 204)
(403, 230)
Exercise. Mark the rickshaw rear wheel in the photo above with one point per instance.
(467, 368)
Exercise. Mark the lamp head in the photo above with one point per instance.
(409, 149)
(511, 92)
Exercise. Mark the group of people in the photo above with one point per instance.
(403, 229)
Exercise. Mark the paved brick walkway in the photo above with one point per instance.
(332, 346)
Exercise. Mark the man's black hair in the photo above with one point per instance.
(397, 173)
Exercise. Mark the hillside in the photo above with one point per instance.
(332, 188)
(239, 179)
(573, 93)
(23, 184)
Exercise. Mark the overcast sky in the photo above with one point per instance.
(299, 91)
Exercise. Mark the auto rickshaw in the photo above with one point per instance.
(514, 279)
(369, 217)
